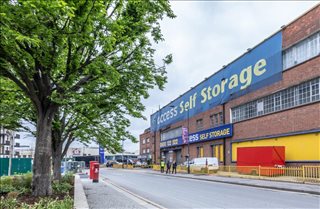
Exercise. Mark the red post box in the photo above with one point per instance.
(92, 168)
(95, 177)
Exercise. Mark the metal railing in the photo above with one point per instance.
(125, 166)
(295, 174)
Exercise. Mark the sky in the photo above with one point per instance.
(203, 37)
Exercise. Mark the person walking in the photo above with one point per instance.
(168, 167)
(162, 166)
(174, 167)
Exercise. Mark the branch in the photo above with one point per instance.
(66, 147)
(81, 82)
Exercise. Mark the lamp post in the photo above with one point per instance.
(122, 154)
(188, 144)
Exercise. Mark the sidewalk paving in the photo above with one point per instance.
(270, 184)
(100, 195)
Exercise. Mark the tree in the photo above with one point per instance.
(56, 50)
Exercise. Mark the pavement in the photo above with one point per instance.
(102, 194)
(107, 195)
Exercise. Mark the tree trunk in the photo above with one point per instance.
(56, 159)
(41, 180)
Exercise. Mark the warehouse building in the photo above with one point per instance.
(269, 96)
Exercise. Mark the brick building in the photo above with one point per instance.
(147, 146)
(269, 96)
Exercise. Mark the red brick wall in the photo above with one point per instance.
(302, 27)
(147, 145)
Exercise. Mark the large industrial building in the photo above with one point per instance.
(269, 96)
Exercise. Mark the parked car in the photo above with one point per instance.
(111, 162)
(211, 162)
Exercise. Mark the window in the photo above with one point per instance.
(143, 151)
(200, 152)
(148, 140)
(199, 124)
(304, 50)
(211, 121)
(143, 141)
(171, 134)
(221, 118)
(148, 150)
(216, 119)
(301, 94)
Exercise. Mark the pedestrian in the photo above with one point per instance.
(168, 167)
(174, 167)
(162, 166)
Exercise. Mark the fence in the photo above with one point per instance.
(122, 166)
(18, 165)
(295, 174)
(300, 174)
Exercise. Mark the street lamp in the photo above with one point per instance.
(188, 144)
(122, 154)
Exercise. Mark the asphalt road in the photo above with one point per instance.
(171, 192)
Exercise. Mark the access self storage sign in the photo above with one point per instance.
(201, 136)
(257, 68)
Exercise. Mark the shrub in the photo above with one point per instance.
(61, 188)
(26, 180)
(68, 178)
(6, 180)
(17, 181)
(5, 188)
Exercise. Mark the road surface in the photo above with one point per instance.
(171, 192)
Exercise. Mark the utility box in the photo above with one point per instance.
(257, 157)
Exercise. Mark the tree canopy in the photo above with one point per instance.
(82, 55)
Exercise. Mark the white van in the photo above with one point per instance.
(202, 162)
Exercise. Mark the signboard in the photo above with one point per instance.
(101, 154)
(184, 135)
(257, 68)
(223, 131)
(76, 151)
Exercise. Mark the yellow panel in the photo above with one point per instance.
(305, 147)
(221, 153)
(216, 151)
(201, 151)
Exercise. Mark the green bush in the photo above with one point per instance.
(68, 178)
(17, 181)
(6, 180)
(59, 188)
(5, 188)
(26, 180)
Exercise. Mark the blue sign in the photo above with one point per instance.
(101, 154)
(257, 68)
(223, 131)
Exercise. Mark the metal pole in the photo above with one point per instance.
(159, 115)
(188, 145)
(122, 154)
(10, 134)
